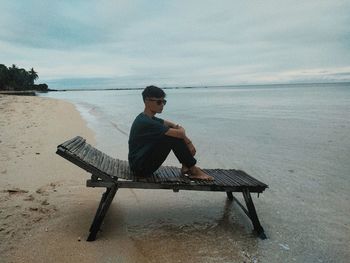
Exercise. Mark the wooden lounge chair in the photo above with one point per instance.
(113, 174)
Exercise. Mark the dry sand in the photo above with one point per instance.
(46, 210)
(44, 206)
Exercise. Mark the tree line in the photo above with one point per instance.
(14, 78)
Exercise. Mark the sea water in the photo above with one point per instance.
(304, 126)
(295, 138)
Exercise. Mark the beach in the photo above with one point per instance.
(294, 139)
(46, 210)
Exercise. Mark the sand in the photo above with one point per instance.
(44, 206)
(46, 209)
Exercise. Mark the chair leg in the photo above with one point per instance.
(229, 196)
(106, 201)
(253, 215)
(97, 214)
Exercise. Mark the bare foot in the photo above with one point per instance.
(198, 174)
(184, 169)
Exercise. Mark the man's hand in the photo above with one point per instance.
(182, 131)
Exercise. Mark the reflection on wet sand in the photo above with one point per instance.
(185, 227)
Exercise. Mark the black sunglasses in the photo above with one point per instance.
(159, 102)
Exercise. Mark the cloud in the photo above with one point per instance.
(177, 42)
(44, 24)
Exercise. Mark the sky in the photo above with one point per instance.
(177, 43)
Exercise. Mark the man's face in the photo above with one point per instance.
(155, 104)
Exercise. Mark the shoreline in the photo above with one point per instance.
(19, 93)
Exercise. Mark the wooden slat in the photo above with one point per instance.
(65, 144)
(85, 155)
(172, 175)
(228, 176)
(105, 168)
(122, 169)
(217, 179)
(103, 163)
(90, 155)
(119, 168)
(182, 178)
(98, 159)
(110, 166)
(115, 168)
(91, 169)
(232, 178)
(225, 180)
(252, 178)
(243, 178)
(126, 169)
(75, 145)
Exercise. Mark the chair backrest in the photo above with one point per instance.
(93, 161)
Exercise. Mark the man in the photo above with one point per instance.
(151, 140)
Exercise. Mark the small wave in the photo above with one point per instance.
(93, 111)
(119, 129)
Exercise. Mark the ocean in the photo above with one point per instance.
(299, 126)
(295, 138)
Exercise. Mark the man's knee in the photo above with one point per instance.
(173, 140)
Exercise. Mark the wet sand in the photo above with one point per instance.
(46, 210)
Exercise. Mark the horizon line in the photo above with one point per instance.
(205, 86)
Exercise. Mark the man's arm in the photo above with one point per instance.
(177, 131)
(171, 124)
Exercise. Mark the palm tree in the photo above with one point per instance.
(33, 75)
(3, 76)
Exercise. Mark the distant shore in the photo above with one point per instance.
(58, 90)
(203, 87)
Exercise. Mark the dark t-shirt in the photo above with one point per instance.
(144, 134)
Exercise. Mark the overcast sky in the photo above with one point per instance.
(177, 43)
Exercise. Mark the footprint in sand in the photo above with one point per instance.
(15, 191)
(29, 198)
(25, 215)
(42, 210)
(45, 202)
(43, 190)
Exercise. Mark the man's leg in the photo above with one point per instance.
(188, 162)
(182, 153)
(161, 152)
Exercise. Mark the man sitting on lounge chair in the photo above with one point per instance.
(151, 140)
